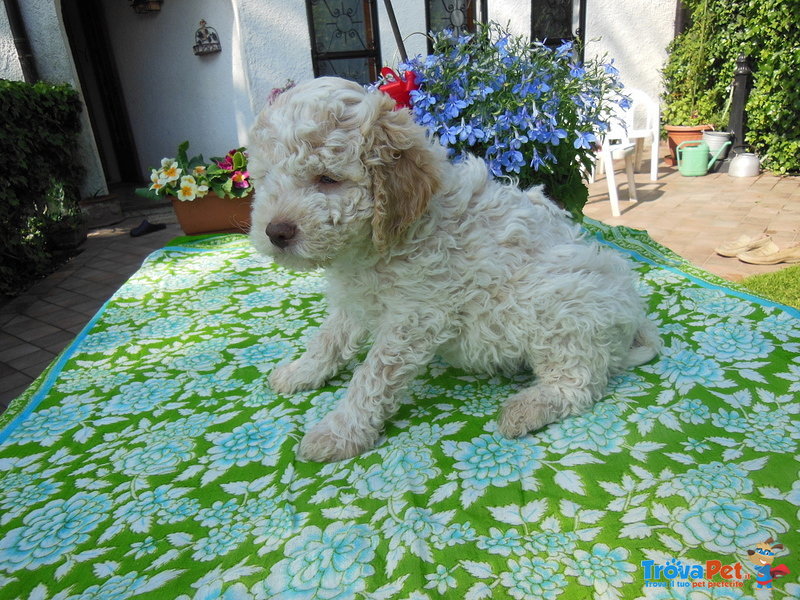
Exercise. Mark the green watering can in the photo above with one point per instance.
(693, 158)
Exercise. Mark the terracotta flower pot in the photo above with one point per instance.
(676, 134)
(212, 214)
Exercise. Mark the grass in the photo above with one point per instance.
(781, 286)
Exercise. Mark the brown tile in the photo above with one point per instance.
(6, 396)
(14, 381)
(29, 329)
(25, 362)
(17, 351)
(66, 298)
(56, 342)
(37, 368)
(88, 307)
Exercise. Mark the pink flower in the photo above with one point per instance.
(240, 179)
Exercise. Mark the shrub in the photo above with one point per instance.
(40, 176)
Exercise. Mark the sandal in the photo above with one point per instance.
(146, 227)
(744, 244)
(771, 255)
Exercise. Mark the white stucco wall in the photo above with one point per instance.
(514, 14)
(172, 95)
(275, 45)
(411, 22)
(635, 34)
(10, 67)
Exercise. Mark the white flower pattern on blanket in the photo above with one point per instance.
(160, 461)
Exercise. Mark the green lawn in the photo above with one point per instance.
(781, 286)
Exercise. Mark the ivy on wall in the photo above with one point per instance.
(701, 64)
(40, 175)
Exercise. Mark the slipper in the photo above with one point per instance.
(770, 254)
(146, 227)
(744, 244)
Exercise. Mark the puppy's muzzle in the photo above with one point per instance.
(281, 234)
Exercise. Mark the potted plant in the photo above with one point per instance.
(690, 103)
(532, 112)
(207, 197)
(64, 226)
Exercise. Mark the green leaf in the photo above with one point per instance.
(239, 161)
(182, 150)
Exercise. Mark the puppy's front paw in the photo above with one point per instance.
(294, 377)
(334, 439)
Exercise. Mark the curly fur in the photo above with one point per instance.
(425, 257)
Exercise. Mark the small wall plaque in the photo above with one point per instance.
(206, 40)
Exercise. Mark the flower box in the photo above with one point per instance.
(212, 214)
(206, 197)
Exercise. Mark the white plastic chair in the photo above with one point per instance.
(642, 121)
(616, 145)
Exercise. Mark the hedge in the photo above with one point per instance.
(701, 65)
(40, 177)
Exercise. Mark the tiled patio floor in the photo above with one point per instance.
(694, 215)
(38, 325)
(689, 215)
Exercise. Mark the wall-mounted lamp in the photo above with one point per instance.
(142, 7)
(206, 40)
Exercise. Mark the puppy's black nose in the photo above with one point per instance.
(280, 234)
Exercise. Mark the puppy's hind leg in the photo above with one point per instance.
(336, 342)
(565, 386)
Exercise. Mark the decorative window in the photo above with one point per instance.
(556, 21)
(450, 14)
(344, 38)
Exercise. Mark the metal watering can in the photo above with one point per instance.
(693, 158)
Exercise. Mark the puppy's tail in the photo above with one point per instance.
(646, 345)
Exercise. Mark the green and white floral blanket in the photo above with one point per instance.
(152, 460)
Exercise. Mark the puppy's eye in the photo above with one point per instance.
(325, 180)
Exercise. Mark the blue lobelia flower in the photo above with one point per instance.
(584, 139)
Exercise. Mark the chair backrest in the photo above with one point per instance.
(643, 116)
(618, 125)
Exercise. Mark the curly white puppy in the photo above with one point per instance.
(423, 257)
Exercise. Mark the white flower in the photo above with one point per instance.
(157, 179)
(188, 188)
(169, 170)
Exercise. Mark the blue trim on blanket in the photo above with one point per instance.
(56, 369)
(742, 295)
(50, 380)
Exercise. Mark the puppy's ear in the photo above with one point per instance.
(405, 172)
